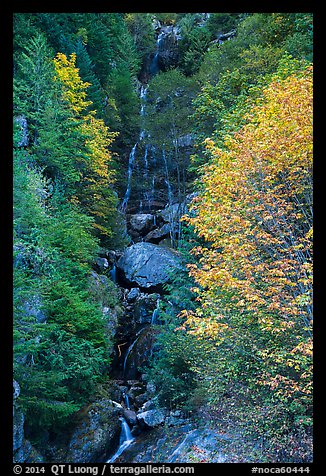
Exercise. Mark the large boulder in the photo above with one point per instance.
(141, 222)
(97, 433)
(148, 265)
(151, 418)
(158, 234)
(130, 417)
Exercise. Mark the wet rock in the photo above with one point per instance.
(168, 51)
(144, 307)
(158, 234)
(148, 265)
(130, 417)
(138, 353)
(133, 293)
(136, 430)
(96, 434)
(102, 263)
(140, 399)
(141, 222)
(173, 212)
(148, 405)
(151, 418)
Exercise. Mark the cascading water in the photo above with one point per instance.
(132, 157)
(126, 399)
(130, 349)
(156, 312)
(113, 273)
(167, 180)
(146, 162)
(126, 439)
(154, 66)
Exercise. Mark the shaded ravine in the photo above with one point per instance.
(126, 355)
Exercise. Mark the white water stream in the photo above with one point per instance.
(126, 439)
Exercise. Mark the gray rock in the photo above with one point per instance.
(168, 51)
(141, 222)
(102, 263)
(159, 233)
(96, 433)
(133, 293)
(144, 307)
(173, 212)
(130, 417)
(148, 265)
(151, 418)
(148, 405)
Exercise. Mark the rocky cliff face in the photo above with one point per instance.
(23, 451)
(96, 433)
(167, 47)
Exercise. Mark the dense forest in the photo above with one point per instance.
(162, 174)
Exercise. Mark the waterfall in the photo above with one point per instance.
(143, 93)
(113, 273)
(167, 181)
(132, 156)
(126, 439)
(146, 162)
(126, 399)
(130, 349)
(152, 192)
(154, 66)
(156, 312)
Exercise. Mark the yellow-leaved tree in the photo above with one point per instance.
(94, 160)
(254, 275)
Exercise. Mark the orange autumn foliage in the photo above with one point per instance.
(255, 211)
